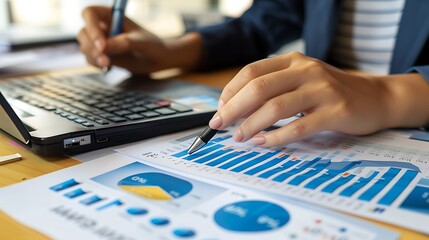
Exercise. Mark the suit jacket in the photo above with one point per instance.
(269, 24)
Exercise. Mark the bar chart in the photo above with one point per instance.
(326, 172)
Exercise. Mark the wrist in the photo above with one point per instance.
(406, 99)
(184, 52)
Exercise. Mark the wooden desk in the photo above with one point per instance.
(32, 166)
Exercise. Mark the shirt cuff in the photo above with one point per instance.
(423, 70)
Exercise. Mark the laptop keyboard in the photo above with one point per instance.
(87, 101)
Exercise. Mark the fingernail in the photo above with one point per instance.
(258, 140)
(220, 104)
(238, 136)
(100, 62)
(215, 122)
(99, 45)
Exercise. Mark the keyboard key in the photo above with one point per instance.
(141, 103)
(112, 109)
(150, 114)
(71, 117)
(163, 103)
(117, 119)
(102, 121)
(49, 108)
(123, 112)
(134, 116)
(74, 111)
(102, 105)
(138, 109)
(165, 111)
(64, 114)
(88, 124)
(80, 120)
(127, 106)
(107, 115)
(180, 108)
(82, 106)
(118, 103)
(152, 106)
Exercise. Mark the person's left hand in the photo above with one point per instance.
(277, 88)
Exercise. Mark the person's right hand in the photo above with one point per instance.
(135, 49)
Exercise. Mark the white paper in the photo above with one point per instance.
(118, 197)
(383, 177)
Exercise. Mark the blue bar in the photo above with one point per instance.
(238, 160)
(318, 168)
(64, 185)
(397, 189)
(266, 165)
(75, 193)
(330, 174)
(285, 166)
(257, 160)
(203, 151)
(113, 203)
(224, 158)
(337, 183)
(417, 200)
(185, 152)
(220, 139)
(311, 173)
(379, 185)
(359, 184)
(300, 168)
(180, 154)
(424, 182)
(90, 200)
(213, 155)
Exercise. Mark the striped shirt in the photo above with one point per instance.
(366, 34)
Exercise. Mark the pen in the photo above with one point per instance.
(202, 139)
(118, 13)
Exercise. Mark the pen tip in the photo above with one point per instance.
(198, 143)
(105, 69)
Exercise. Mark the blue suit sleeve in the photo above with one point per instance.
(423, 70)
(261, 30)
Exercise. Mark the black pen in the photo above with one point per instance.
(202, 139)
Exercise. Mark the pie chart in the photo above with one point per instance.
(155, 186)
(251, 216)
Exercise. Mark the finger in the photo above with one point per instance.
(93, 16)
(87, 48)
(255, 93)
(281, 107)
(298, 129)
(255, 70)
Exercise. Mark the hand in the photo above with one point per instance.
(136, 49)
(281, 87)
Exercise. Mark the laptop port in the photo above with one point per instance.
(102, 139)
(77, 141)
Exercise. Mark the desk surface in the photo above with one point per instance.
(32, 166)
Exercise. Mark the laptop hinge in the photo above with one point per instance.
(10, 122)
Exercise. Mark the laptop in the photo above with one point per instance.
(71, 114)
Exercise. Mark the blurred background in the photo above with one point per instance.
(166, 18)
(39, 35)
